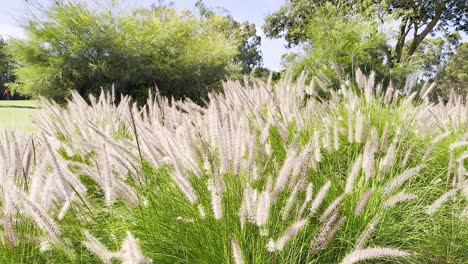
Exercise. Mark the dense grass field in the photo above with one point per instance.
(290, 173)
(17, 114)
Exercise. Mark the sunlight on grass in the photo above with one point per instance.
(17, 114)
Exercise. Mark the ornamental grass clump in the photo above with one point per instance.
(260, 174)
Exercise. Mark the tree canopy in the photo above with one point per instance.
(337, 41)
(454, 76)
(5, 68)
(298, 21)
(249, 55)
(78, 47)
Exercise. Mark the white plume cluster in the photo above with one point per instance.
(272, 142)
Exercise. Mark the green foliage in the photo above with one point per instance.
(3, 57)
(78, 47)
(390, 56)
(263, 74)
(341, 41)
(454, 76)
(249, 56)
(434, 53)
(6, 66)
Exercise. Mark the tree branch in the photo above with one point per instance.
(420, 37)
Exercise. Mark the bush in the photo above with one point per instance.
(75, 47)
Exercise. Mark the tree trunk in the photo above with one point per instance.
(420, 37)
(396, 57)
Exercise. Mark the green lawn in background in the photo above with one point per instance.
(17, 114)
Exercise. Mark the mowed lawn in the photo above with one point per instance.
(17, 114)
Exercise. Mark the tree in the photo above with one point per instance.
(434, 53)
(339, 42)
(417, 20)
(74, 46)
(264, 74)
(5, 68)
(454, 76)
(248, 45)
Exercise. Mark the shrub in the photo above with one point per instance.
(76, 47)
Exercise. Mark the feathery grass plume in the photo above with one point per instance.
(400, 179)
(364, 237)
(317, 151)
(302, 163)
(3, 157)
(372, 253)
(387, 162)
(361, 80)
(263, 208)
(65, 208)
(39, 216)
(426, 90)
(201, 210)
(249, 202)
(320, 237)
(230, 132)
(428, 152)
(308, 198)
(216, 198)
(359, 127)
(44, 246)
(107, 177)
(407, 156)
(290, 202)
(336, 137)
(459, 179)
(7, 218)
(398, 198)
(326, 140)
(441, 137)
(289, 233)
(126, 192)
(185, 186)
(458, 145)
(96, 247)
(268, 150)
(319, 197)
(396, 94)
(464, 213)
(236, 251)
(327, 232)
(325, 215)
(441, 200)
(285, 171)
(9, 231)
(384, 138)
(131, 253)
(353, 174)
(363, 202)
(450, 167)
(369, 87)
(271, 247)
(369, 153)
(350, 125)
(63, 175)
(37, 178)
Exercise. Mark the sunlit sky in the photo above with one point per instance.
(13, 12)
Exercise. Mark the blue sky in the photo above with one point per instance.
(13, 11)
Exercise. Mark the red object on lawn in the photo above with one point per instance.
(5, 93)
